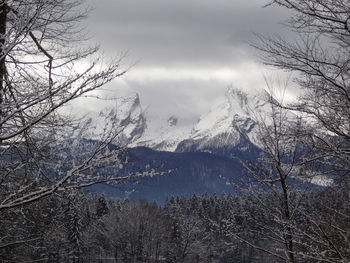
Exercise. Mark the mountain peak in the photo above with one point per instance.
(227, 124)
(126, 118)
(222, 115)
(234, 96)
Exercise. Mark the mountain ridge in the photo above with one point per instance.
(224, 125)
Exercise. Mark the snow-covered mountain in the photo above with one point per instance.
(126, 118)
(229, 124)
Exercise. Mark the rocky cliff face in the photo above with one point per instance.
(126, 119)
(130, 118)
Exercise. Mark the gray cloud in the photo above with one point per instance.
(189, 51)
(180, 31)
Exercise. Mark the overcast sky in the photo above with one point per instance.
(187, 51)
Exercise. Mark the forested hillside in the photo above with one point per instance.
(80, 227)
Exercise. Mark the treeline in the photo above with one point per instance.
(81, 227)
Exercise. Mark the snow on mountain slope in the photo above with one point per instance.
(126, 119)
(228, 123)
(164, 134)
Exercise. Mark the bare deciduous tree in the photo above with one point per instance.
(320, 57)
(44, 65)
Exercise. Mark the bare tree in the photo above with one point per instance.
(274, 175)
(320, 57)
(290, 218)
(44, 65)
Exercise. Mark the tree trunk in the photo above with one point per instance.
(289, 232)
(3, 19)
